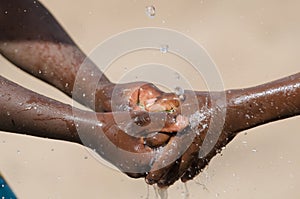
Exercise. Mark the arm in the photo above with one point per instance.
(34, 41)
(246, 108)
(25, 112)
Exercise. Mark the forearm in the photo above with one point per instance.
(33, 40)
(258, 105)
(25, 112)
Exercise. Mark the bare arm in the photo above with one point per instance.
(265, 103)
(33, 40)
(25, 112)
(246, 108)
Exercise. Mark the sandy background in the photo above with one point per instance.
(250, 41)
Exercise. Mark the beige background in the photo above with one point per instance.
(250, 41)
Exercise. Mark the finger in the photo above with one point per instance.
(200, 163)
(141, 93)
(171, 176)
(165, 102)
(164, 162)
(186, 161)
(194, 170)
(144, 123)
(169, 154)
(157, 140)
(154, 176)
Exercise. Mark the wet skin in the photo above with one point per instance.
(243, 109)
(35, 42)
(26, 112)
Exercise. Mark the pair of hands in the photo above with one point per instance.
(177, 142)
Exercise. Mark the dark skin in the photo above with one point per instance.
(35, 42)
(26, 112)
(246, 108)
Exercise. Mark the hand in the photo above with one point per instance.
(132, 96)
(123, 143)
(118, 137)
(136, 96)
(184, 162)
(245, 109)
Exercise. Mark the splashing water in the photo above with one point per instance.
(180, 93)
(197, 120)
(164, 49)
(162, 193)
(186, 193)
(150, 11)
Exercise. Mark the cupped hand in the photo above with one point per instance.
(130, 96)
(137, 96)
(120, 137)
(191, 149)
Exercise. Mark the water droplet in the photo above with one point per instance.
(164, 49)
(25, 10)
(18, 152)
(254, 150)
(177, 76)
(83, 79)
(40, 72)
(28, 108)
(8, 113)
(185, 193)
(6, 12)
(161, 192)
(67, 85)
(150, 11)
(83, 95)
(179, 91)
(2, 185)
(247, 116)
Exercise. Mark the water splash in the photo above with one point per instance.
(180, 93)
(185, 193)
(197, 120)
(150, 11)
(162, 193)
(164, 49)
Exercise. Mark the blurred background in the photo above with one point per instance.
(251, 42)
